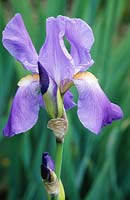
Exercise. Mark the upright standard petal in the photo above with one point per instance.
(25, 107)
(81, 38)
(94, 108)
(54, 56)
(17, 41)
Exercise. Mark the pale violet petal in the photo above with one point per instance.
(94, 108)
(17, 41)
(54, 56)
(25, 108)
(81, 38)
(68, 100)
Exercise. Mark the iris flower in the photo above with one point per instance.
(54, 71)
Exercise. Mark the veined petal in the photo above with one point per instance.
(94, 108)
(53, 55)
(25, 107)
(17, 41)
(81, 38)
(68, 100)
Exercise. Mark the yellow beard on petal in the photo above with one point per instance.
(28, 79)
(85, 76)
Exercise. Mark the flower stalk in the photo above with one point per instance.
(58, 165)
(59, 127)
(58, 161)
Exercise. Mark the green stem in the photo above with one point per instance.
(58, 163)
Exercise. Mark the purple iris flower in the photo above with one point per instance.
(47, 166)
(54, 70)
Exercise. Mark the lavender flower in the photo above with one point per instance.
(54, 71)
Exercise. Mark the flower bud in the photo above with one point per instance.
(49, 177)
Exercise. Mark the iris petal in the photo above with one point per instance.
(53, 55)
(94, 108)
(81, 38)
(17, 41)
(25, 108)
(68, 100)
(44, 79)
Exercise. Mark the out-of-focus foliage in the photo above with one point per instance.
(94, 167)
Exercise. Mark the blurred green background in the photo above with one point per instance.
(94, 167)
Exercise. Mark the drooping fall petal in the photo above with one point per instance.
(25, 107)
(94, 108)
